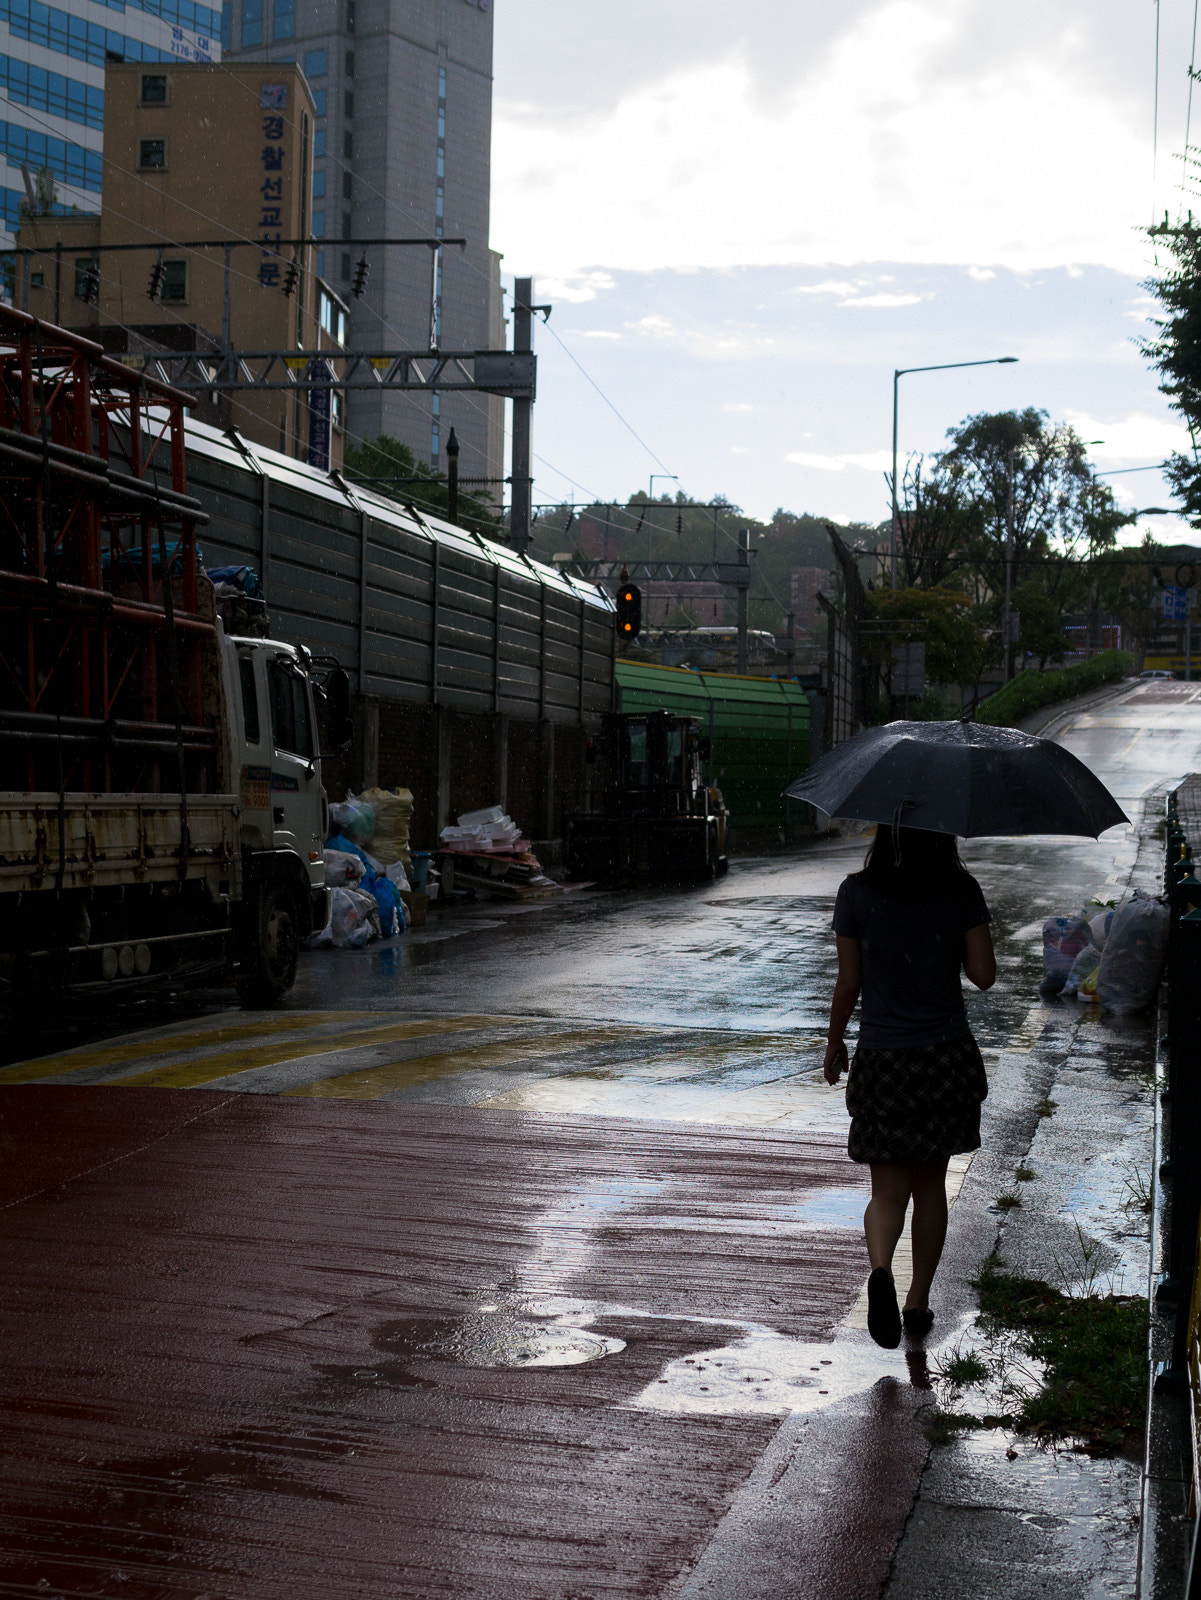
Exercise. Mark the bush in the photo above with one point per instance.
(1030, 691)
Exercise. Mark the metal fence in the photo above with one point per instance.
(413, 607)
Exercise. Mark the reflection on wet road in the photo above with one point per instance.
(535, 1227)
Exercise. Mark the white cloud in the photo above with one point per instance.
(740, 449)
(885, 301)
(868, 461)
(1132, 440)
(899, 142)
(656, 326)
(830, 286)
(739, 406)
(981, 274)
(592, 333)
(577, 287)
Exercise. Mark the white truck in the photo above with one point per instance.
(100, 891)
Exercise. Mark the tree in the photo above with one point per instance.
(957, 649)
(390, 468)
(937, 526)
(1175, 353)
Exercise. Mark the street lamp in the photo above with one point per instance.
(898, 374)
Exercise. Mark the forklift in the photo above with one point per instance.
(656, 818)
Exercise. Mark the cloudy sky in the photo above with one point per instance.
(746, 217)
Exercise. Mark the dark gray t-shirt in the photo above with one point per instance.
(911, 953)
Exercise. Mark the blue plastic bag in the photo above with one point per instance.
(391, 911)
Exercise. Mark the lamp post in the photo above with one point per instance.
(898, 374)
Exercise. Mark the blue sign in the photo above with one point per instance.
(1175, 603)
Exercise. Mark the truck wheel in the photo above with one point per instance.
(709, 857)
(271, 961)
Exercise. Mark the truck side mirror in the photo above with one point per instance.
(337, 699)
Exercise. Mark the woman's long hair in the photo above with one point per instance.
(925, 864)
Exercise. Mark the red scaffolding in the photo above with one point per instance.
(107, 637)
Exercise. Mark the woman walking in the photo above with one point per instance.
(905, 927)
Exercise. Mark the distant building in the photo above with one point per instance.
(198, 153)
(804, 583)
(684, 604)
(403, 97)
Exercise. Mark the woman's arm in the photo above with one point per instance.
(846, 993)
(979, 962)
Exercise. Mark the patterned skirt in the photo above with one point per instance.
(909, 1106)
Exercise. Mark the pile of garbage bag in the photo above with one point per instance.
(1114, 957)
(366, 884)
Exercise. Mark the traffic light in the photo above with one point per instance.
(629, 611)
(362, 272)
(89, 281)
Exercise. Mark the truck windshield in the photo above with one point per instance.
(291, 725)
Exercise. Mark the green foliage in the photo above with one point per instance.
(1093, 1348)
(957, 649)
(1030, 691)
(391, 468)
(1175, 352)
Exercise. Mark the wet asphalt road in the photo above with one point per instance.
(518, 1256)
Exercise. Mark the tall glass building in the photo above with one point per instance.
(52, 78)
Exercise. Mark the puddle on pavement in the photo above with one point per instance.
(494, 1335)
(833, 1208)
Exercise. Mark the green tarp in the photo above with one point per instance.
(759, 728)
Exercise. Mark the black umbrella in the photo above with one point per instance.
(959, 777)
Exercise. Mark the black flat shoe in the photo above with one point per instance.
(918, 1322)
(883, 1313)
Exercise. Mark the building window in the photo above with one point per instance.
(331, 316)
(316, 63)
(283, 20)
(434, 439)
(348, 145)
(441, 83)
(350, 63)
(152, 154)
(319, 224)
(318, 185)
(350, 16)
(319, 102)
(319, 143)
(347, 186)
(321, 263)
(31, 85)
(348, 102)
(345, 264)
(252, 22)
(154, 89)
(347, 231)
(87, 277)
(174, 289)
(227, 26)
(438, 202)
(37, 280)
(441, 123)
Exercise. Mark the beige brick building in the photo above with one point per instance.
(197, 154)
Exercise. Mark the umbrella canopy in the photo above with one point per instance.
(959, 777)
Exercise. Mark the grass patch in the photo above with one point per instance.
(1007, 1202)
(963, 1371)
(1025, 1174)
(1047, 1108)
(1093, 1349)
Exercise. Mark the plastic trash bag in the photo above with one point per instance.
(355, 819)
(393, 809)
(1063, 940)
(342, 869)
(1082, 975)
(395, 870)
(391, 910)
(1099, 928)
(339, 841)
(354, 921)
(1134, 954)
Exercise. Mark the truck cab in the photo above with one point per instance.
(275, 765)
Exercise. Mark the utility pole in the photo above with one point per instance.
(520, 526)
(452, 478)
(744, 560)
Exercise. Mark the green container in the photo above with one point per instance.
(758, 728)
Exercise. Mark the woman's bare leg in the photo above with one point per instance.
(885, 1214)
(929, 1227)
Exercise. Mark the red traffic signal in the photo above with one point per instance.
(629, 611)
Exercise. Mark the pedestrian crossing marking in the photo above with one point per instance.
(211, 1068)
(373, 1083)
(157, 1043)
